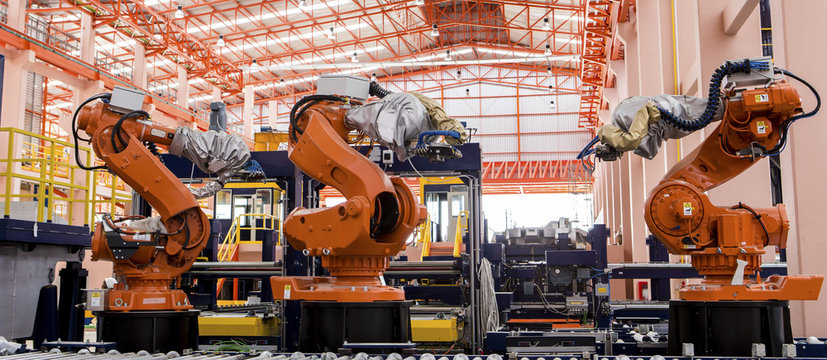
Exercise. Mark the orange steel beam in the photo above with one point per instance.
(597, 40)
(545, 171)
(468, 77)
(162, 34)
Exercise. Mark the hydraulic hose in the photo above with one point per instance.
(376, 90)
(298, 110)
(786, 126)
(76, 135)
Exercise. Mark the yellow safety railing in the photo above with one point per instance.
(61, 186)
(39, 151)
(462, 226)
(230, 241)
(228, 248)
(425, 236)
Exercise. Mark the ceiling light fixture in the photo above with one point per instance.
(303, 4)
(355, 58)
(546, 25)
(254, 65)
(179, 14)
(434, 31)
(459, 74)
(551, 105)
(548, 50)
(331, 33)
(220, 42)
(447, 56)
(548, 71)
(373, 77)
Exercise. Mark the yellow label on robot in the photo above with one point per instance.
(762, 98)
(687, 209)
(761, 127)
(286, 291)
(96, 299)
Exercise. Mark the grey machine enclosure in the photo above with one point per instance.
(343, 85)
(125, 100)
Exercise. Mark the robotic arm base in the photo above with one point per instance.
(775, 287)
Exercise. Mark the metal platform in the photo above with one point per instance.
(114, 355)
(29, 252)
(654, 270)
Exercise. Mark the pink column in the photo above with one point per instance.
(690, 81)
(14, 87)
(797, 49)
(87, 39)
(617, 208)
(272, 113)
(139, 66)
(183, 88)
(216, 94)
(247, 111)
(717, 47)
(16, 14)
(82, 92)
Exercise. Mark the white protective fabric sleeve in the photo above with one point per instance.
(213, 153)
(682, 106)
(395, 121)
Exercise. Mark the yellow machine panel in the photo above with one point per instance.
(237, 326)
(434, 330)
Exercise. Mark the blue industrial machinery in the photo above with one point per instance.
(299, 190)
(547, 281)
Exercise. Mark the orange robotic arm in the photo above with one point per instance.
(145, 263)
(355, 238)
(726, 243)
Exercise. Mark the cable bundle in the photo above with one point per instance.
(377, 90)
(714, 99)
(488, 299)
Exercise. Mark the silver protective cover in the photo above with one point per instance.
(394, 121)
(682, 106)
(212, 152)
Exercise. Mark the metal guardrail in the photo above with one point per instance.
(119, 68)
(56, 179)
(161, 89)
(42, 30)
(425, 236)
(462, 226)
(4, 9)
(227, 248)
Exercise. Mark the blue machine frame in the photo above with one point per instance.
(301, 190)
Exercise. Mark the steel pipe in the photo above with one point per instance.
(236, 264)
(237, 273)
(405, 264)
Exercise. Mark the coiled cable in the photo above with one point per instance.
(786, 125)
(76, 136)
(714, 98)
(302, 105)
(377, 90)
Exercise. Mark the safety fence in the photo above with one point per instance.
(42, 170)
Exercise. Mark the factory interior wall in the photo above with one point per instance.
(657, 62)
(802, 164)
